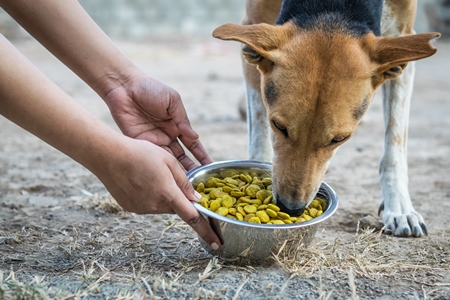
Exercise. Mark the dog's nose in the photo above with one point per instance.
(297, 211)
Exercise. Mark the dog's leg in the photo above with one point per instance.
(260, 148)
(399, 215)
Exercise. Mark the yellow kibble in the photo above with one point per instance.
(204, 202)
(307, 217)
(268, 200)
(245, 200)
(201, 187)
(223, 211)
(232, 211)
(283, 215)
(211, 183)
(273, 207)
(243, 178)
(236, 194)
(215, 193)
(227, 189)
(263, 216)
(249, 178)
(243, 187)
(215, 204)
(279, 222)
(232, 186)
(267, 181)
(271, 213)
(227, 201)
(255, 202)
(251, 190)
(323, 203)
(262, 206)
(262, 194)
(240, 210)
(312, 212)
(248, 217)
(255, 220)
(316, 204)
(250, 209)
(228, 173)
(231, 181)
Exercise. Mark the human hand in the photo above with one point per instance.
(145, 179)
(147, 109)
(141, 176)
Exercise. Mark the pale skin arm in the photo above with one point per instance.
(141, 176)
(142, 106)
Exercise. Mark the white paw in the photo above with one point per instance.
(403, 222)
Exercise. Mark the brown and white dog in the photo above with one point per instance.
(311, 71)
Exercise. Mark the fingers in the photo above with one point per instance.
(179, 116)
(184, 208)
(188, 136)
(178, 151)
(197, 149)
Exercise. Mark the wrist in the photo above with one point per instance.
(114, 79)
(104, 153)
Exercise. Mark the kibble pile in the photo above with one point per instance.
(244, 196)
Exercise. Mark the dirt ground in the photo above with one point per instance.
(62, 237)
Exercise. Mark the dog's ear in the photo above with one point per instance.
(261, 41)
(391, 54)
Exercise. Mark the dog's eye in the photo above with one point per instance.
(337, 140)
(281, 128)
(250, 54)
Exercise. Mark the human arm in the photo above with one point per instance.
(142, 106)
(142, 177)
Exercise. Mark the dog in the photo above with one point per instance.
(311, 69)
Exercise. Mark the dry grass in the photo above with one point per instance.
(365, 257)
(124, 260)
(104, 203)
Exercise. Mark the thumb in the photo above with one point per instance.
(185, 185)
(188, 212)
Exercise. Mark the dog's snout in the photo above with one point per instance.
(296, 210)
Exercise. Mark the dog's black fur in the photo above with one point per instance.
(357, 17)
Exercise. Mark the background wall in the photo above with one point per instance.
(140, 19)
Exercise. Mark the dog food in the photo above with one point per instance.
(248, 197)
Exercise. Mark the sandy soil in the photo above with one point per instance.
(62, 238)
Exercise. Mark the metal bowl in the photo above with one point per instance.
(249, 243)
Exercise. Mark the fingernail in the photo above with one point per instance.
(197, 195)
(214, 246)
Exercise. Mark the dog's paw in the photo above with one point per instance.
(404, 223)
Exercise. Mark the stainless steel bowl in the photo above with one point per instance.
(245, 242)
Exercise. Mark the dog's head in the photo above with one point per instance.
(316, 87)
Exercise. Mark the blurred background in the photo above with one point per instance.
(142, 19)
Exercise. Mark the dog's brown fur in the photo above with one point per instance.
(316, 86)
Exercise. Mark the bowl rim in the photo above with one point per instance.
(332, 200)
